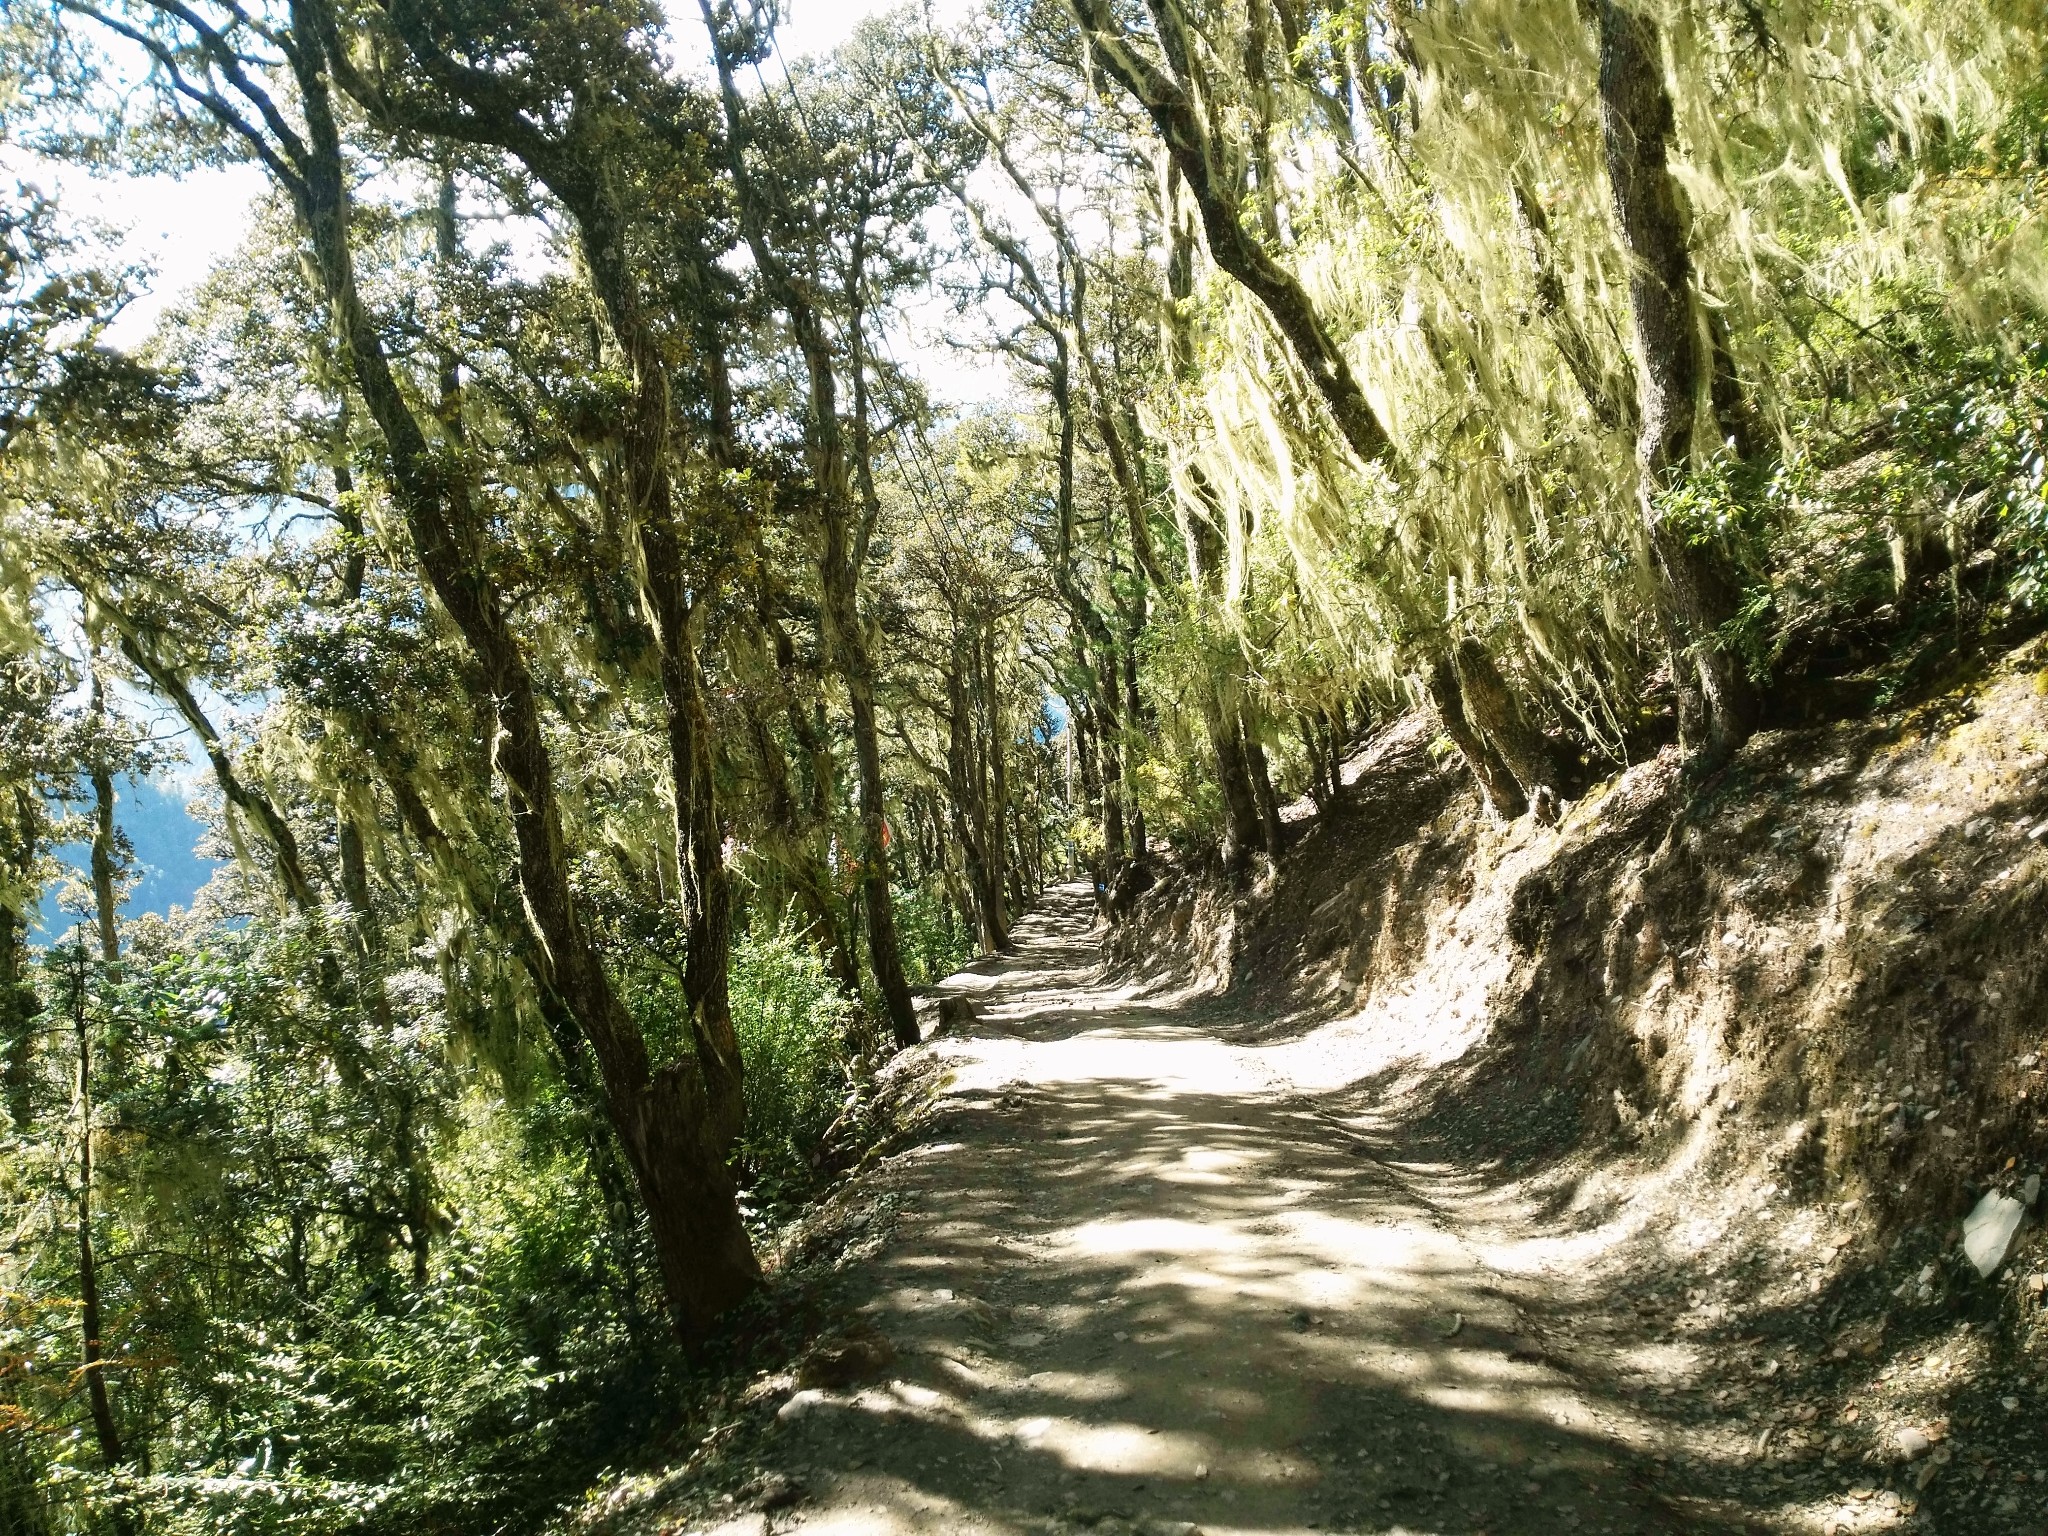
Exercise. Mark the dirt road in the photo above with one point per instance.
(1139, 1284)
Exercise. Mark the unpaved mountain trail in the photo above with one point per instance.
(1138, 1283)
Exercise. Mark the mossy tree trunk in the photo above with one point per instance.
(1497, 782)
(1675, 367)
(675, 1121)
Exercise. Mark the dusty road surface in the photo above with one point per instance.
(1140, 1284)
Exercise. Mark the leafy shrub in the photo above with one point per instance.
(473, 1402)
(2010, 422)
(271, 1348)
(24, 1473)
(935, 943)
(796, 1032)
(1880, 550)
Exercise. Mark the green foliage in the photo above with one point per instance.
(797, 1035)
(25, 1505)
(935, 940)
(1929, 526)
(1717, 504)
(371, 1257)
(267, 1334)
(1986, 440)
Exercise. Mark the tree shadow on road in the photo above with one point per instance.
(1121, 1300)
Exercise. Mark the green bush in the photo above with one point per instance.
(24, 1475)
(797, 1034)
(271, 1348)
(934, 942)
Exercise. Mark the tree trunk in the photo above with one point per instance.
(1200, 534)
(1110, 771)
(845, 559)
(419, 1206)
(1179, 116)
(104, 900)
(968, 799)
(1271, 830)
(1241, 831)
(799, 830)
(885, 955)
(1088, 768)
(1496, 782)
(959, 893)
(1135, 713)
(998, 765)
(680, 1121)
(1340, 745)
(249, 806)
(1313, 746)
(1637, 125)
(19, 1004)
(796, 857)
(675, 1121)
(1322, 739)
(839, 554)
(407, 1145)
(1025, 863)
(1492, 711)
(17, 1020)
(1094, 645)
(112, 1452)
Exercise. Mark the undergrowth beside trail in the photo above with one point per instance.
(530, 1355)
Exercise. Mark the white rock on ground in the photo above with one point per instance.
(1988, 1231)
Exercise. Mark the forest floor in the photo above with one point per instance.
(1139, 1283)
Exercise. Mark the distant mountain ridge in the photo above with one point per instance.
(168, 865)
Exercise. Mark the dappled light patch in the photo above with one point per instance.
(1186, 1295)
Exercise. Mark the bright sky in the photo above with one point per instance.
(817, 26)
